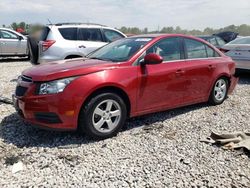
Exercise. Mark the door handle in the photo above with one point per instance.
(179, 72)
(81, 46)
(211, 67)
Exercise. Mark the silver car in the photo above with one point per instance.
(69, 40)
(239, 51)
(12, 43)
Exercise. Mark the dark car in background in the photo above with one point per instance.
(227, 36)
(214, 40)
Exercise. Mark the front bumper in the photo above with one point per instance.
(48, 112)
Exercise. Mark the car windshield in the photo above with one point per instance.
(245, 40)
(120, 50)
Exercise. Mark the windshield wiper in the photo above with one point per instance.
(102, 59)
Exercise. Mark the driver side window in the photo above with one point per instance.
(8, 35)
(169, 49)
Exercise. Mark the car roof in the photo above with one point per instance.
(77, 25)
(8, 29)
(161, 35)
(4, 28)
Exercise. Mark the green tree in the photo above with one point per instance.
(14, 25)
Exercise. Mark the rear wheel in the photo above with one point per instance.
(219, 91)
(103, 116)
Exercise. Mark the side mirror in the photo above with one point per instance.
(152, 59)
(20, 38)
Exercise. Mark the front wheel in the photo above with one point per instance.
(103, 116)
(219, 91)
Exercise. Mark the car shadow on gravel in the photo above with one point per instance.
(159, 117)
(13, 130)
(244, 77)
(12, 59)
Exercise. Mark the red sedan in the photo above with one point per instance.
(127, 78)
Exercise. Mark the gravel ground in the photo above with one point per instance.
(158, 150)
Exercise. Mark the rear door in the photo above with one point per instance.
(89, 39)
(201, 63)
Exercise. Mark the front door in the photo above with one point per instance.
(162, 85)
(9, 42)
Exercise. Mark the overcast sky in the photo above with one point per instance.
(189, 14)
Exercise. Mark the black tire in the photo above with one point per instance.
(213, 99)
(33, 50)
(85, 121)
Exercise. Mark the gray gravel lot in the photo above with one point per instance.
(158, 150)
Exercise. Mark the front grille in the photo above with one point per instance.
(20, 91)
(47, 117)
(26, 78)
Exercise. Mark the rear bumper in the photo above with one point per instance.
(242, 64)
(233, 82)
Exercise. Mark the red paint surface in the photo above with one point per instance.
(150, 88)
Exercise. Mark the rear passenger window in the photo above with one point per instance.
(168, 49)
(88, 34)
(68, 33)
(112, 35)
(195, 49)
(211, 52)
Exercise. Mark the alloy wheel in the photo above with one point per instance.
(106, 116)
(220, 89)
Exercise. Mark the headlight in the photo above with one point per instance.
(55, 86)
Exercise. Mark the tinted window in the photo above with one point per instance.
(168, 48)
(68, 33)
(112, 35)
(220, 41)
(8, 35)
(212, 41)
(211, 52)
(195, 49)
(44, 33)
(87, 34)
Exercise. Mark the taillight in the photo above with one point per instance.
(46, 44)
(223, 50)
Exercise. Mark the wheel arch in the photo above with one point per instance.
(223, 75)
(110, 89)
(72, 56)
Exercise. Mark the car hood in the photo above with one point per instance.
(67, 68)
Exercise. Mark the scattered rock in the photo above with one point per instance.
(17, 167)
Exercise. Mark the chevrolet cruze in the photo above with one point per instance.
(129, 77)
